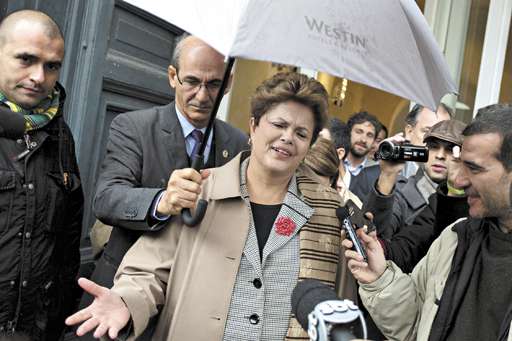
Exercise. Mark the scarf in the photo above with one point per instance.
(39, 116)
(320, 241)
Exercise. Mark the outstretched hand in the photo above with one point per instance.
(362, 271)
(107, 313)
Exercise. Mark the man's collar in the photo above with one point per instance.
(425, 185)
(349, 164)
(186, 126)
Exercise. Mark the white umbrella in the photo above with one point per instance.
(386, 44)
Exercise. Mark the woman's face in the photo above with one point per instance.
(282, 138)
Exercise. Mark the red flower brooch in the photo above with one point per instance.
(285, 226)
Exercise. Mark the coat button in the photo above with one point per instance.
(30, 186)
(254, 319)
(257, 283)
(24, 284)
(12, 283)
(27, 235)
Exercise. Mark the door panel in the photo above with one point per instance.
(116, 61)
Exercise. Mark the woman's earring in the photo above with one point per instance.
(249, 141)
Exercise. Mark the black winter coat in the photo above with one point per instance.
(410, 245)
(41, 206)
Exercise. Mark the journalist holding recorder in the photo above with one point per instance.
(267, 226)
(461, 289)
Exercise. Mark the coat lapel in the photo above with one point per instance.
(223, 151)
(294, 209)
(173, 138)
(251, 249)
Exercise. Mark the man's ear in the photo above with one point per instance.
(408, 131)
(230, 82)
(171, 73)
(510, 194)
(341, 153)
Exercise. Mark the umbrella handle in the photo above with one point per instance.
(193, 220)
(202, 205)
(197, 160)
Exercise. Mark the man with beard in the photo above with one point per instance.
(395, 204)
(340, 136)
(461, 289)
(135, 193)
(363, 128)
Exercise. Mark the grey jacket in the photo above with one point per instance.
(394, 211)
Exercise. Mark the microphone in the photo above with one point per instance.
(12, 124)
(325, 317)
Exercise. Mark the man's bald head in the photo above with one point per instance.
(186, 42)
(31, 55)
(45, 23)
(196, 75)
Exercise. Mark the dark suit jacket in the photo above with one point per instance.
(393, 212)
(144, 148)
(361, 185)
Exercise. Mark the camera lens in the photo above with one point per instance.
(386, 149)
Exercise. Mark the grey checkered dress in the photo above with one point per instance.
(264, 313)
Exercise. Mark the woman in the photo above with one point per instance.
(267, 226)
(323, 160)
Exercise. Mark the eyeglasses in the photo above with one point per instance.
(194, 84)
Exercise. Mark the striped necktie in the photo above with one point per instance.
(197, 135)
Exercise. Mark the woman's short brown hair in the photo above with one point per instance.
(291, 86)
(323, 158)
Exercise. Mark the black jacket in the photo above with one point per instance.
(410, 245)
(394, 211)
(41, 205)
(361, 185)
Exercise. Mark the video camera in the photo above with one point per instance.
(401, 152)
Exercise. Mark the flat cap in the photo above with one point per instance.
(449, 130)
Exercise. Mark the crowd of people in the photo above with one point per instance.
(437, 263)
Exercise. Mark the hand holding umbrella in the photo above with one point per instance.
(183, 189)
(197, 160)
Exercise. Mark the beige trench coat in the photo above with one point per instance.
(402, 305)
(189, 272)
